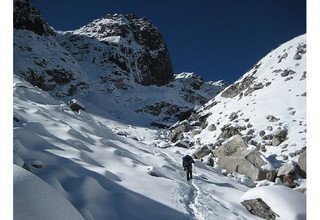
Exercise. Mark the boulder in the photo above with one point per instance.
(271, 175)
(288, 180)
(212, 127)
(262, 133)
(177, 133)
(245, 161)
(230, 146)
(287, 168)
(201, 152)
(302, 161)
(279, 136)
(259, 208)
(233, 116)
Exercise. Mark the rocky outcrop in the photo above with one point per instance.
(122, 47)
(38, 57)
(240, 86)
(27, 17)
(160, 107)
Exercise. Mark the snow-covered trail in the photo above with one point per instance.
(209, 195)
(108, 169)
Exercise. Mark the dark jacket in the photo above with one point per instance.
(187, 161)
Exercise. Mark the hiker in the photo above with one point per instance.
(187, 165)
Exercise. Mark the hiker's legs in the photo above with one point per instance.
(189, 173)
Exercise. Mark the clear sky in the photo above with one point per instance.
(217, 39)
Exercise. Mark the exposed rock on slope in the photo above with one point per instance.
(39, 58)
(28, 18)
(266, 107)
(121, 47)
(115, 62)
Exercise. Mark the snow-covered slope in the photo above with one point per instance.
(270, 98)
(111, 170)
(107, 160)
(30, 196)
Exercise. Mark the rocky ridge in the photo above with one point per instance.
(111, 60)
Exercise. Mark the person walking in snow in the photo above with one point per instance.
(187, 165)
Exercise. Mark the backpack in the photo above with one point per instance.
(187, 160)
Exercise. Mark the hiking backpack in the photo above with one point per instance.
(187, 160)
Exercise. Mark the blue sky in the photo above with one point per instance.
(217, 39)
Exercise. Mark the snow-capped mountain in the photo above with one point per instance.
(88, 104)
(118, 61)
(266, 107)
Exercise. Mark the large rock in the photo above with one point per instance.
(247, 162)
(302, 161)
(201, 152)
(287, 173)
(279, 136)
(177, 133)
(230, 146)
(259, 208)
(287, 168)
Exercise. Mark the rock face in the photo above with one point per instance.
(259, 208)
(128, 46)
(27, 17)
(38, 57)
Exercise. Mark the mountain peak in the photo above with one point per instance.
(29, 18)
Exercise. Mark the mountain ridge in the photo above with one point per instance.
(106, 156)
(112, 55)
